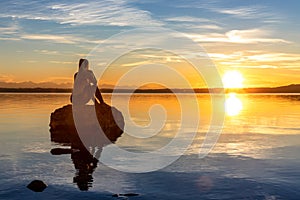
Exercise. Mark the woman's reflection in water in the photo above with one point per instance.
(85, 162)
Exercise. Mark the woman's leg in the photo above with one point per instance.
(99, 96)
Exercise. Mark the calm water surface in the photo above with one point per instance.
(256, 157)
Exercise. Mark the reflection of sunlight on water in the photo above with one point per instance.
(37, 147)
(233, 105)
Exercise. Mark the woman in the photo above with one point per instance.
(85, 85)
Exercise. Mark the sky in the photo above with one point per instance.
(42, 41)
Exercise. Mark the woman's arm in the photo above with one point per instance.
(97, 93)
(92, 78)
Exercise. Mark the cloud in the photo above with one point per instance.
(237, 36)
(134, 64)
(271, 57)
(6, 78)
(209, 26)
(9, 30)
(193, 23)
(258, 56)
(252, 36)
(46, 52)
(242, 12)
(257, 59)
(64, 39)
(9, 33)
(62, 62)
(250, 11)
(105, 12)
(53, 38)
(221, 56)
(187, 19)
(9, 39)
(109, 12)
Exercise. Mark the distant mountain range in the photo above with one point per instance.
(48, 87)
(293, 88)
(30, 84)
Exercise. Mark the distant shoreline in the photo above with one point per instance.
(295, 88)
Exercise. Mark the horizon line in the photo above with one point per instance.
(292, 88)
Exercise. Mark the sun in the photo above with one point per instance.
(233, 79)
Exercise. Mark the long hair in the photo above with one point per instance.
(83, 64)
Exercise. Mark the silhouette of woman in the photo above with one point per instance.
(84, 85)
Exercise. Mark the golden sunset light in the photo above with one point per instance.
(233, 105)
(127, 99)
(233, 79)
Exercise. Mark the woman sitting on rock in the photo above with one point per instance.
(85, 85)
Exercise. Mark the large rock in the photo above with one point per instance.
(85, 151)
(63, 130)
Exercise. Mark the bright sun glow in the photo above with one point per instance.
(233, 79)
(233, 105)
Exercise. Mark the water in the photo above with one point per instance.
(256, 157)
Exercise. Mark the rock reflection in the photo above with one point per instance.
(85, 158)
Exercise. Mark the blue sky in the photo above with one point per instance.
(48, 37)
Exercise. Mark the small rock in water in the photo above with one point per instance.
(125, 195)
(37, 186)
(130, 194)
(60, 151)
